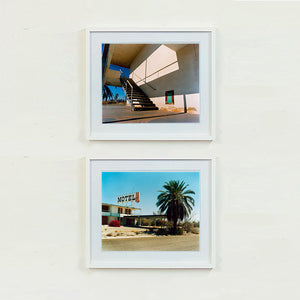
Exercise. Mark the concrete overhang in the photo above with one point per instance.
(124, 54)
(113, 78)
(175, 47)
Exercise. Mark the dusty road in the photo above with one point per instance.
(159, 243)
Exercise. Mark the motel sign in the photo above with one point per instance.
(129, 198)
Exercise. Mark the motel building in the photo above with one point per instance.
(162, 76)
(125, 214)
(119, 212)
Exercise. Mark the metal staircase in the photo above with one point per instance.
(137, 99)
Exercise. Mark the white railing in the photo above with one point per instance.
(144, 80)
(125, 90)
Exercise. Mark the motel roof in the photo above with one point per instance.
(146, 216)
(131, 207)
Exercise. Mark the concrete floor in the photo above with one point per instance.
(118, 113)
(159, 243)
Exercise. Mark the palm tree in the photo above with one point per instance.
(106, 93)
(176, 201)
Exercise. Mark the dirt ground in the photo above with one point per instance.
(189, 242)
(124, 232)
(116, 113)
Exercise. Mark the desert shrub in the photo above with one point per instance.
(196, 224)
(145, 222)
(114, 223)
(195, 231)
(109, 102)
(179, 231)
(162, 231)
(169, 224)
(188, 226)
(160, 222)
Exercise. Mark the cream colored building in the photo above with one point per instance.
(168, 74)
(118, 212)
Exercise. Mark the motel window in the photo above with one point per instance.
(105, 208)
(169, 97)
(120, 210)
(127, 211)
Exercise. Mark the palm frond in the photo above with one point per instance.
(106, 93)
(175, 200)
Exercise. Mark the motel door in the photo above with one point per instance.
(169, 97)
(104, 220)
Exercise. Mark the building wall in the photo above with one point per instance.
(160, 68)
(114, 209)
(107, 219)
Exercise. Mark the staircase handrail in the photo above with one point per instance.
(123, 78)
(144, 80)
(131, 89)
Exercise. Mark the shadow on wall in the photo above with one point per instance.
(169, 67)
(166, 69)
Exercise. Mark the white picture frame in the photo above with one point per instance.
(97, 258)
(97, 129)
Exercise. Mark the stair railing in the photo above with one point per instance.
(144, 80)
(131, 95)
(125, 83)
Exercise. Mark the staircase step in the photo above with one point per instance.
(144, 104)
(140, 100)
(145, 108)
(137, 105)
(136, 95)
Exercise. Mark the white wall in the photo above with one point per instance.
(43, 141)
(160, 68)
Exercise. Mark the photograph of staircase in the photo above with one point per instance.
(144, 83)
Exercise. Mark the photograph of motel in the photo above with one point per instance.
(150, 83)
(162, 216)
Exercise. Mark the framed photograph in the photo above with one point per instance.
(156, 213)
(150, 85)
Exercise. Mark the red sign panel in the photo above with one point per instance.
(137, 197)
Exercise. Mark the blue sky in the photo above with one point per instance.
(117, 90)
(148, 184)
